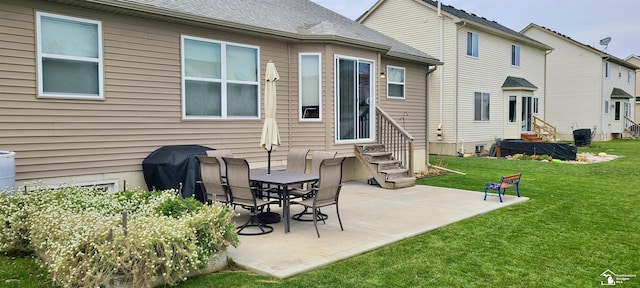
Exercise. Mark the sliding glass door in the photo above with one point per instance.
(354, 99)
(527, 111)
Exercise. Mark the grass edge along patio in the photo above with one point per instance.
(580, 220)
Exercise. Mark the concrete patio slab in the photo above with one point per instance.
(372, 217)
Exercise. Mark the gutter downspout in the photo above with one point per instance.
(545, 86)
(426, 126)
(289, 124)
(426, 114)
(441, 73)
(455, 93)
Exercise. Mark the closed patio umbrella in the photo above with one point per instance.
(270, 135)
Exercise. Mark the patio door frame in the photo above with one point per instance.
(356, 111)
(527, 109)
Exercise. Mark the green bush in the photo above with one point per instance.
(81, 236)
(531, 157)
(177, 207)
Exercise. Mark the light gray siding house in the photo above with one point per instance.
(586, 88)
(491, 84)
(90, 88)
(635, 60)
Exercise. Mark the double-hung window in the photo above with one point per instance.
(310, 86)
(219, 79)
(515, 55)
(395, 82)
(627, 109)
(619, 72)
(69, 57)
(481, 106)
(472, 44)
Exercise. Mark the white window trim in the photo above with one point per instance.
(619, 72)
(515, 116)
(404, 84)
(607, 70)
(477, 44)
(319, 119)
(627, 109)
(223, 92)
(513, 57)
(372, 99)
(489, 103)
(40, 54)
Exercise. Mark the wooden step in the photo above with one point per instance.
(374, 157)
(387, 164)
(380, 164)
(403, 182)
(368, 148)
(395, 173)
(530, 137)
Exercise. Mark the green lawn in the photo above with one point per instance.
(580, 221)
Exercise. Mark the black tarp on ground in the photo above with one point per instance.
(560, 151)
(168, 166)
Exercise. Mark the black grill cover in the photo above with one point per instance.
(582, 137)
(168, 166)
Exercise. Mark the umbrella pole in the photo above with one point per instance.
(269, 161)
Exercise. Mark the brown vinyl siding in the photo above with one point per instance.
(141, 109)
(311, 134)
(412, 107)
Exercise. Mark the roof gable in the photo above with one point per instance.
(517, 83)
(606, 56)
(304, 20)
(619, 93)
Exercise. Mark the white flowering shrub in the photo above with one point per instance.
(86, 238)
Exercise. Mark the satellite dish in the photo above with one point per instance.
(605, 42)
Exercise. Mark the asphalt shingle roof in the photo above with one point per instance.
(482, 21)
(619, 93)
(517, 82)
(300, 19)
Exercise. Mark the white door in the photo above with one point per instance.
(616, 121)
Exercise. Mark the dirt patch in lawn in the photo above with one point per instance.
(588, 158)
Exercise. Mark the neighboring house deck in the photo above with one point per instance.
(586, 88)
(492, 82)
(90, 88)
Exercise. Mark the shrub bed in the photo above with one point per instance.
(85, 237)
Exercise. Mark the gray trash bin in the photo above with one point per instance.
(7, 171)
